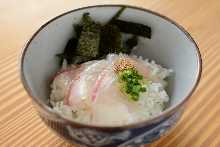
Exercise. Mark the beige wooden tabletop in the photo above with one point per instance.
(19, 124)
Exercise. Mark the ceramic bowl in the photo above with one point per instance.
(170, 46)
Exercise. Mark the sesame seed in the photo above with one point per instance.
(122, 64)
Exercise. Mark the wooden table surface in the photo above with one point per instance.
(19, 124)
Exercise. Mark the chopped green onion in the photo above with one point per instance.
(132, 83)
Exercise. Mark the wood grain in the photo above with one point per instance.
(19, 123)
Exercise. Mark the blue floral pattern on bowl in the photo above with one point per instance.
(95, 138)
(154, 133)
(122, 139)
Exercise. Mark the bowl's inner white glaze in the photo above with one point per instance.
(169, 46)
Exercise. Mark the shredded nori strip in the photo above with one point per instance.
(116, 16)
(77, 59)
(78, 30)
(94, 41)
(111, 40)
(68, 51)
(89, 39)
(133, 28)
(130, 43)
